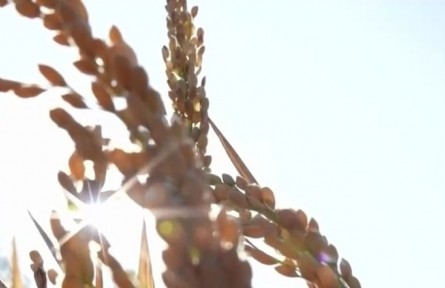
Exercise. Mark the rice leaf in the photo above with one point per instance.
(46, 238)
(145, 273)
(16, 277)
(2, 284)
(234, 157)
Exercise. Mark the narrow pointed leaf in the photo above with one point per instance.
(16, 278)
(145, 274)
(46, 238)
(2, 284)
(234, 157)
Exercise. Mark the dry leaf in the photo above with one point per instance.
(52, 75)
(28, 91)
(234, 157)
(75, 100)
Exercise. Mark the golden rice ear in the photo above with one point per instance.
(192, 241)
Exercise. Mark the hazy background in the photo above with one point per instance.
(338, 106)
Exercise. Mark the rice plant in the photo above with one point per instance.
(210, 223)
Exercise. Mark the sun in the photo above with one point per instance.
(113, 217)
(120, 221)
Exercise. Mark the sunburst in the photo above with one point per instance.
(97, 211)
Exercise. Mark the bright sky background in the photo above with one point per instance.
(338, 106)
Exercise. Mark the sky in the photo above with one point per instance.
(335, 105)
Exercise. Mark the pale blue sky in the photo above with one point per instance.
(338, 106)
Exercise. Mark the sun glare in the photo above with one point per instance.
(107, 217)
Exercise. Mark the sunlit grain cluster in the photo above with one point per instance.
(170, 172)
